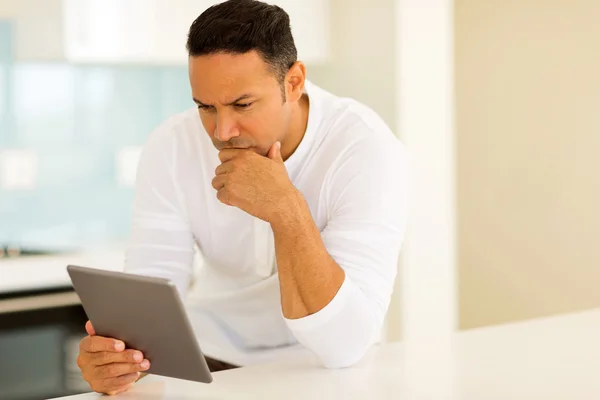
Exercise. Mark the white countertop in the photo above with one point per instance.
(551, 358)
(47, 272)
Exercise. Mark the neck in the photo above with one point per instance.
(298, 124)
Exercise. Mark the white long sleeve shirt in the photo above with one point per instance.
(352, 172)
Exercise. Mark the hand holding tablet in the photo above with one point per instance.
(134, 316)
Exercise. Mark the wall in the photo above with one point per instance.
(362, 61)
(528, 96)
(74, 122)
(38, 28)
(425, 115)
(363, 66)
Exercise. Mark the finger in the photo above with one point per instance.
(115, 392)
(227, 154)
(224, 168)
(109, 357)
(89, 328)
(218, 182)
(117, 369)
(120, 384)
(121, 390)
(94, 344)
(275, 152)
(223, 196)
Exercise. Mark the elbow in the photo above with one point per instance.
(344, 358)
(342, 346)
(340, 334)
(349, 350)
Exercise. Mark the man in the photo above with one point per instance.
(295, 198)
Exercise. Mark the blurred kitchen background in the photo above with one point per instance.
(497, 102)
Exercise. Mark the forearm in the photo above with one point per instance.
(309, 278)
(334, 320)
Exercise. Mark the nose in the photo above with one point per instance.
(226, 127)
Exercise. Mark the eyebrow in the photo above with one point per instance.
(242, 97)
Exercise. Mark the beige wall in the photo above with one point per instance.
(528, 143)
(38, 28)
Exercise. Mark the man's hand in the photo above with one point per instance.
(106, 365)
(255, 184)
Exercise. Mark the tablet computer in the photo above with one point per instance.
(147, 314)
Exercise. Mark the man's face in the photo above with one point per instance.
(239, 101)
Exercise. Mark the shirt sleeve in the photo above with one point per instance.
(368, 210)
(161, 242)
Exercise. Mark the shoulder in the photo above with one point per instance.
(353, 136)
(177, 130)
(180, 141)
(178, 146)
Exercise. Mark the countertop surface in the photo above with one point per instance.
(549, 358)
(48, 272)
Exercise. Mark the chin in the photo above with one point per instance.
(261, 152)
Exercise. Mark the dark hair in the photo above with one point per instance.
(240, 26)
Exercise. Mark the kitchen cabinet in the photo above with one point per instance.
(39, 342)
(42, 322)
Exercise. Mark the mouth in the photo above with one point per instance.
(234, 148)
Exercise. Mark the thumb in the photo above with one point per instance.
(89, 328)
(275, 152)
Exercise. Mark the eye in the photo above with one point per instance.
(243, 105)
(204, 107)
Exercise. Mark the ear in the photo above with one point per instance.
(294, 81)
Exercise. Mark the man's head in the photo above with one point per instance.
(244, 74)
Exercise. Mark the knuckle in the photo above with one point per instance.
(128, 356)
(96, 386)
(116, 370)
(86, 377)
(88, 380)
(104, 385)
(223, 195)
(118, 385)
(105, 357)
(111, 370)
(131, 368)
(84, 343)
(231, 190)
(92, 343)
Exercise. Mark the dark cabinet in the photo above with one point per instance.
(38, 351)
